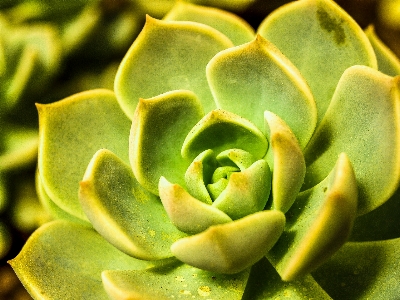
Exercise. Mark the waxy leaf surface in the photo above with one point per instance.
(318, 223)
(71, 131)
(64, 260)
(166, 56)
(125, 214)
(174, 280)
(287, 162)
(186, 212)
(321, 40)
(362, 270)
(235, 28)
(232, 247)
(221, 130)
(159, 128)
(362, 121)
(254, 77)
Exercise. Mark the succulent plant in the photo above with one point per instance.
(226, 164)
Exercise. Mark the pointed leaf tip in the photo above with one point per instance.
(232, 247)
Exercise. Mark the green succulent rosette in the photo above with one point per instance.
(226, 164)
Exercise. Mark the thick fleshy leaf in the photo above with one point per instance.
(174, 280)
(65, 260)
(318, 223)
(166, 56)
(388, 62)
(221, 130)
(252, 78)
(363, 270)
(247, 192)
(199, 173)
(70, 132)
(236, 157)
(124, 213)
(158, 131)
(321, 40)
(287, 164)
(52, 208)
(265, 283)
(380, 224)
(362, 121)
(186, 212)
(235, 28)
(232, 247)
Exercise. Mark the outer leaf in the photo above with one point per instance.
(388, 62)
(187, 213)
(380, 224)
(247, 192)
(174, 281)
(235, 28)
(166, 56)
(70, 132)
(221, 130)
(159, 128)
(232, 247)
(125, 214)
(64, 260)
(265, 283)
(288, 165)
(321, 40)
(252, 78)
(318, 224)
(363, 121)
(365, 270)
(52, 208)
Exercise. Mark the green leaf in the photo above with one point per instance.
(232, 247)
(186, 212)
(199, 173)
(388, 62)
(252, 78)
(70, 132)
(159, 128)
(288, 165)
(381, 223)
(52, 208)
(363, 270)
(64, 260)
(166, 56)
(124, 213)
(237, 158)
(265, 283)
(247, 192)
(321, 40)
(221, 130)
(174, 280)
(235, 28)
(363, 122)
(318, 223)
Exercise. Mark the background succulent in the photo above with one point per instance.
(344, 102)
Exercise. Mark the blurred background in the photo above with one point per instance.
(50, 49)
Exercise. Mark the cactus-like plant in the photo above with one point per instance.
(226, 164)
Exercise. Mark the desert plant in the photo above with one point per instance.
(226, 164)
